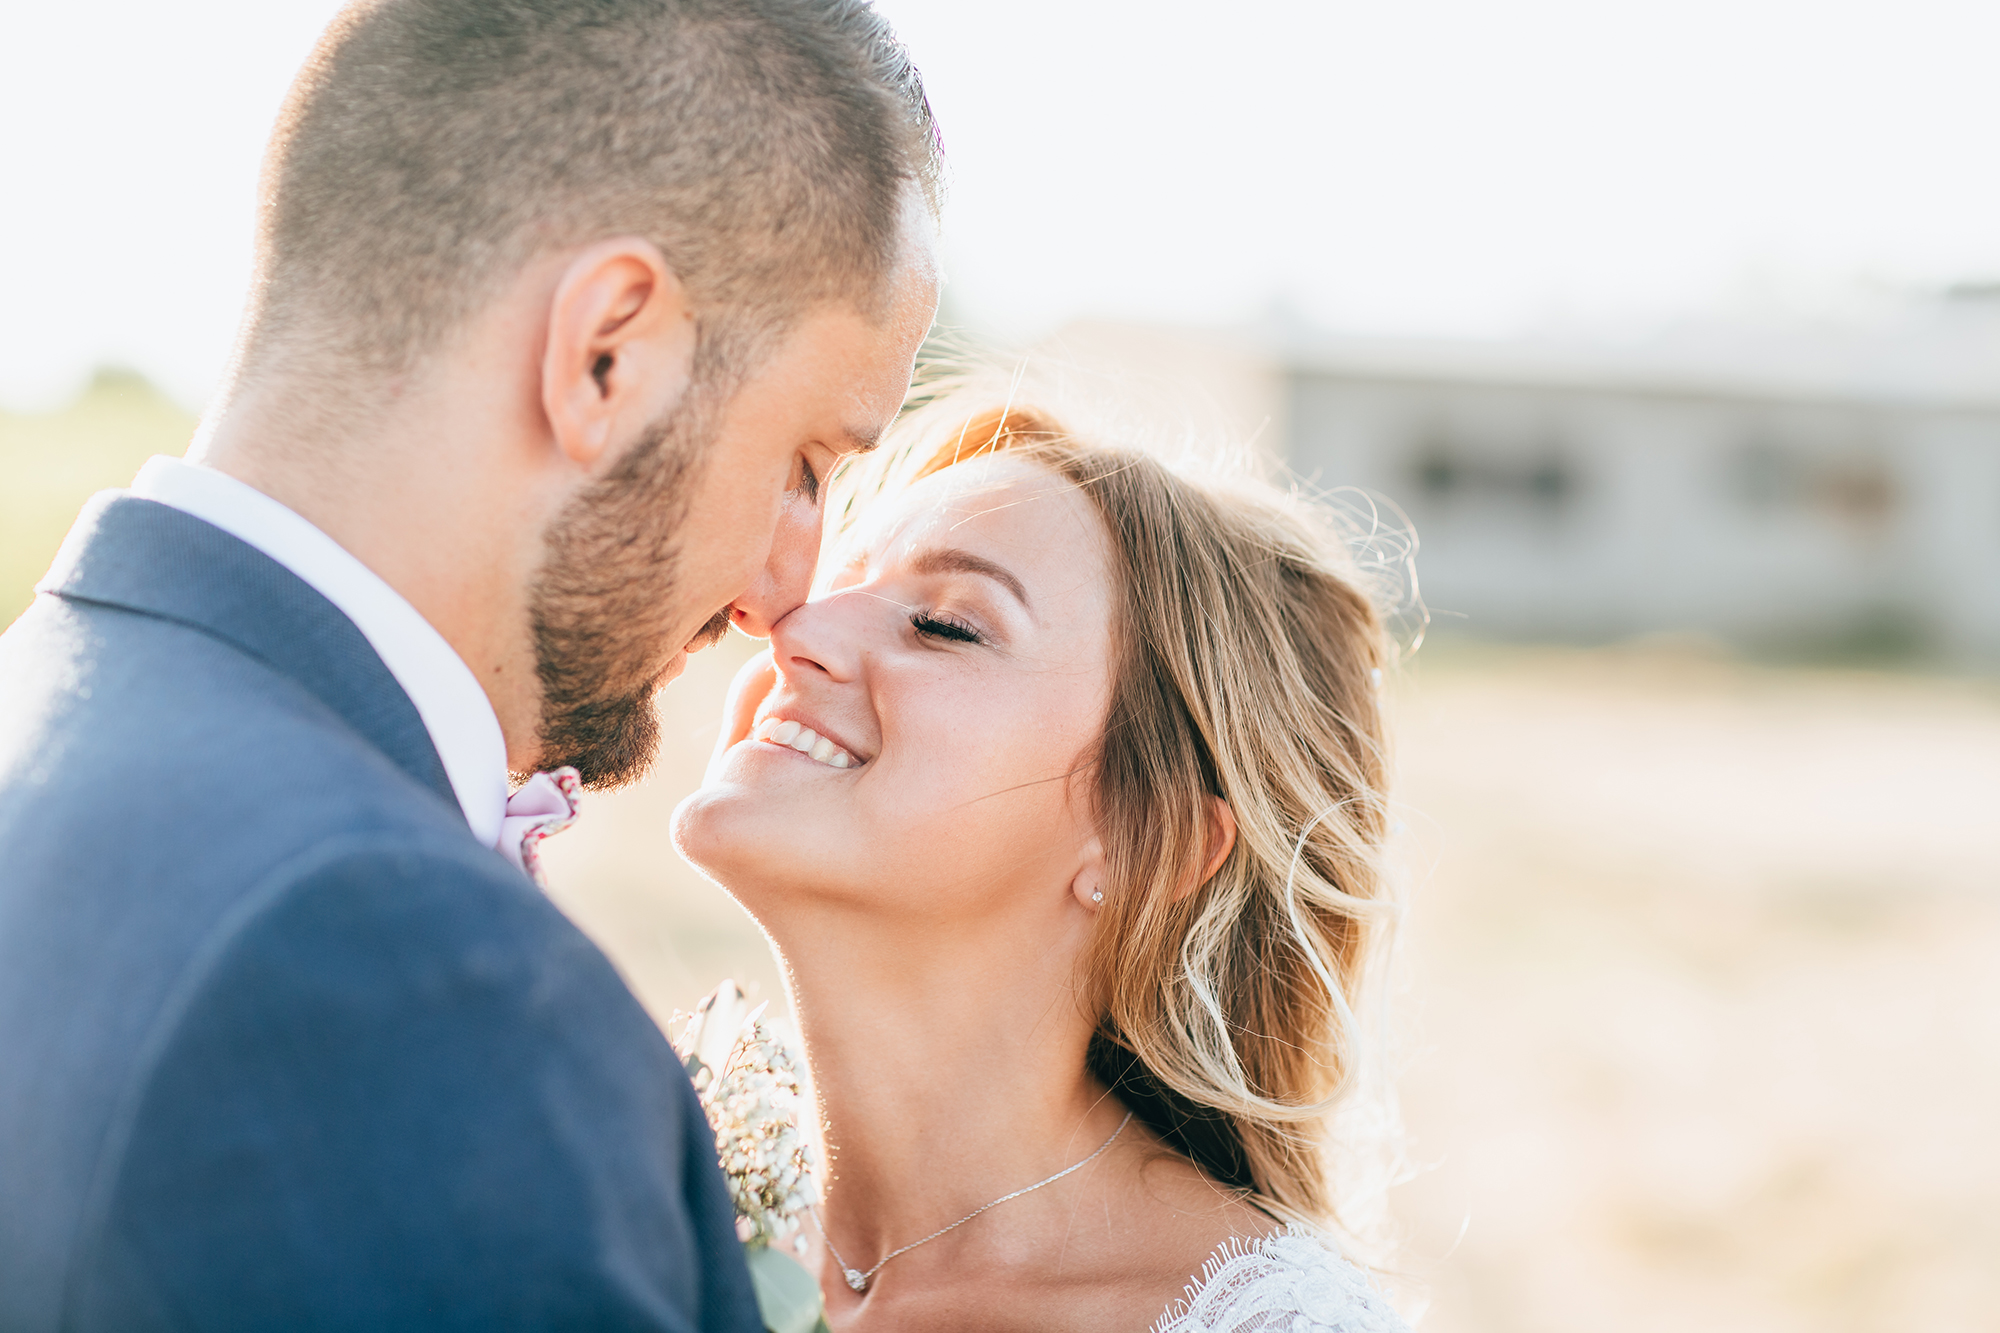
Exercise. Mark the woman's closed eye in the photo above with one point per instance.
(939, 625)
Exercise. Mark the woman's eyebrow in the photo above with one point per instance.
(952, 560)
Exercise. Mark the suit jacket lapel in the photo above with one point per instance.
(154, 559)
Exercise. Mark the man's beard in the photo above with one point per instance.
(604, 601)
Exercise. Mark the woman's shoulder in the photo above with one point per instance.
(1292, 1281)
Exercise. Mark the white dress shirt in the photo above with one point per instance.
(453, 707)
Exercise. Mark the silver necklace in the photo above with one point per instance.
(860, 1280)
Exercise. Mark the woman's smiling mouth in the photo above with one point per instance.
(784, 731)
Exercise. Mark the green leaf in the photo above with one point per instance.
(787, 1296)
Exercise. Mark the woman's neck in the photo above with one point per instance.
(949, 1063)
(948, 1074)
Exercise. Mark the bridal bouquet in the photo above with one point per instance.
(748, 1084)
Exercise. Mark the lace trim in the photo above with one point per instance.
(1291, 1281)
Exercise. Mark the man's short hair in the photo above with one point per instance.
(431, 148)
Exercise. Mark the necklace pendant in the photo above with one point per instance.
(858, 1281)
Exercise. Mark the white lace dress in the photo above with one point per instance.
(1289, 1282)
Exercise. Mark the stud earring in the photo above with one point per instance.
(1097, 895)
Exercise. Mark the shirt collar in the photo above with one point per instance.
(447, 696)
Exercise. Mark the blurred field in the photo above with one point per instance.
(1700, 986)
(54, 462)
(1705, 988)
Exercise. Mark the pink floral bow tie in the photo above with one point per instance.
(546, 804)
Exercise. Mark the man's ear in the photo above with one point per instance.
(1221, 839)
(1088, 886)
(620, 348)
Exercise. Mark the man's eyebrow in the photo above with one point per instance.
(951, 560)
(860, 440)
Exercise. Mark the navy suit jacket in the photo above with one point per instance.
(282, 1046)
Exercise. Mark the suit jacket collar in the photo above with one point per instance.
(153, 559)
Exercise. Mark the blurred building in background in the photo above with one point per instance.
(1830, 489)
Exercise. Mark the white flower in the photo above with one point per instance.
(748, 1083)
(711, 1034)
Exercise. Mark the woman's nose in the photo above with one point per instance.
(828, 637)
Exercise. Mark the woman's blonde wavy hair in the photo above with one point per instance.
(1248, 664)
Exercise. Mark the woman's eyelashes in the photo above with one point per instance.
(808, 481)
(939, 625)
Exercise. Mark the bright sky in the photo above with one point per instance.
(1445, 166)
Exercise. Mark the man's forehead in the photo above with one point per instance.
(919, 248)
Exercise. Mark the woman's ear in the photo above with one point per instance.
(1221, 836)
(1221, 839)
(1088, 886)
(620, 347)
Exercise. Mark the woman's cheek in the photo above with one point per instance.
(753, 683)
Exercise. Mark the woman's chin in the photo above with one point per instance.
(744, 835)
(706, 829)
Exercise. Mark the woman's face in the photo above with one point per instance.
(955, 668)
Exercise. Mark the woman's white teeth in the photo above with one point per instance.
(806, 741)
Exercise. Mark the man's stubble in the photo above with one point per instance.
(604, 607)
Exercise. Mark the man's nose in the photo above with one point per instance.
(787, 575)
